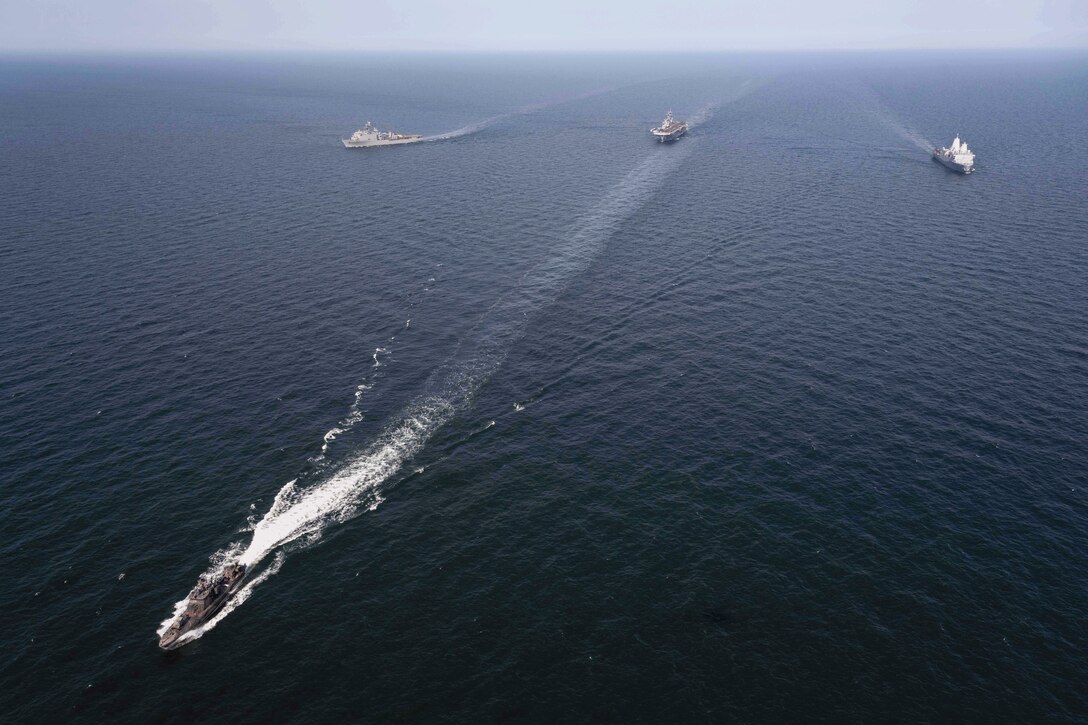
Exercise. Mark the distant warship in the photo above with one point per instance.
(207, 598)
(956, 157)
(670, 129)
(368, 136)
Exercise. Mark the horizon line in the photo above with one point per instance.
(522, 51)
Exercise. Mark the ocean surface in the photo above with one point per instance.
(545, 421)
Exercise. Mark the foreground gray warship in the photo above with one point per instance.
(207, 598)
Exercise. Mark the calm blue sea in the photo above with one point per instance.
(545, 422)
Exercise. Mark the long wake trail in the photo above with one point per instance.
(354, 486)
(886, 117)
(301, 514)
(524, 110)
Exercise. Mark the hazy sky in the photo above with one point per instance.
(541, 25)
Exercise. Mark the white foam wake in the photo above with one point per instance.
(305, 513)
(524, 110)
(701, 116)
(705, 113)
(302, 514)
(885, 116)
(355, 413)
(905, 133)
(466, 130)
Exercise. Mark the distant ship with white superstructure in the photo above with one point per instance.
(368, 136)
(956, 157)
(670, 129)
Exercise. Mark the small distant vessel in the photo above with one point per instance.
(205, 601)
(956, 157)
(368, 136)
(670, 129)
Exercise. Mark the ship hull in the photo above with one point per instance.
(349, 144)
(950, 164)
(173, 640)
(670, 136)
(173, 637)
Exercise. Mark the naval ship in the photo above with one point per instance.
(368, 136)
(956, 157)
(207, 598)
(670, 129)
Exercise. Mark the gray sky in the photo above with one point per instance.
(540, 25)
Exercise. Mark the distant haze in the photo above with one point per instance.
(555, 25)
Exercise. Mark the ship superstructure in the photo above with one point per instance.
(956, 157)
(670, 129)
(369, 135)
(205, 601)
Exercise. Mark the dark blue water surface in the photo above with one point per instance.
(545, 422)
